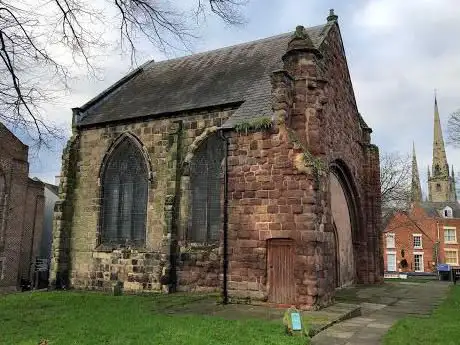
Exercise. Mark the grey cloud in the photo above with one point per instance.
(398, 52)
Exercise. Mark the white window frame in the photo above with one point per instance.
(392, 236)
(447, 212)
(456, 255)
(422, 262)
(395, 265)
(421, 241)
(455, 234)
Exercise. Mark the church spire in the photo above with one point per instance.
(440, 167)
(416, 191)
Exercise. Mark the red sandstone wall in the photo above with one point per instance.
(343, 138)
(268, 198)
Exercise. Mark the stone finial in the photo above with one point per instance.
(301, 41)
(332, 17)
(299, 32)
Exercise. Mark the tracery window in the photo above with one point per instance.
(124, 196)
(205, 183)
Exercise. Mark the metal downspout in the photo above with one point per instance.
(225, 229)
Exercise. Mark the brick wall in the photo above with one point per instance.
(18, 212)
(416, 221)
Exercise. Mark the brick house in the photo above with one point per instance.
(251, 170)
(21, 213)
(426, 235)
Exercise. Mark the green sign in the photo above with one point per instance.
(292, 321)
(295, 321)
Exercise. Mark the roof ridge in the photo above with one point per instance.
(259, 40)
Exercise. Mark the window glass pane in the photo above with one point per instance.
(390, 240)
(199, 186)
(215, 154)
(391, 262)
(205, 187)
(450, 257)
(418, 262)
(449, 235)
(125, 190)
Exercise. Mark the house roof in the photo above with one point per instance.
(238, 75)
(53, 188)
(434, 209)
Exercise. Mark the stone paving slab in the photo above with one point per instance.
(404, 300)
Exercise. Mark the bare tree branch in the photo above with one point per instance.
(395, 180)
(42, 42)
(453, 129)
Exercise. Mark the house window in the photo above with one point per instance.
(451, 256)
(390, 240)
(447, 212)
(124, 196)
(418, 262)
(391, 262)
(450, 235)
(205, 186)
(417, 241)
(438, 187)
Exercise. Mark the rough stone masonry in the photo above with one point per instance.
(254, 175)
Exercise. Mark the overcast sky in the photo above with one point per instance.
(398, 53)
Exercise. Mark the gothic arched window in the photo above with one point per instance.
(205, 185)
(124, 196)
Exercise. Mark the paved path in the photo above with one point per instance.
(381, 307)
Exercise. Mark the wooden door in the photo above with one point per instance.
(281, 255)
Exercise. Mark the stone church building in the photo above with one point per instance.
(246, 170)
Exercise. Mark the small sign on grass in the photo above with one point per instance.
(292, 321)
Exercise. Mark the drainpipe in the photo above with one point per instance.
(225, 254)
(175, 211)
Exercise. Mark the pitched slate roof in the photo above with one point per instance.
(434, 209)
(53, 188)
(233, 75)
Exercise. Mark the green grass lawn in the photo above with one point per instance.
(442, 327)
(92, 318)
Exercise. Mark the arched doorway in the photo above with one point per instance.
(342, 218)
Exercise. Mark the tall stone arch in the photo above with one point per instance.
(345, 217)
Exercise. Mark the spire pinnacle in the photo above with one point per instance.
(332, 17)
(416, 190)
(440, 167)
